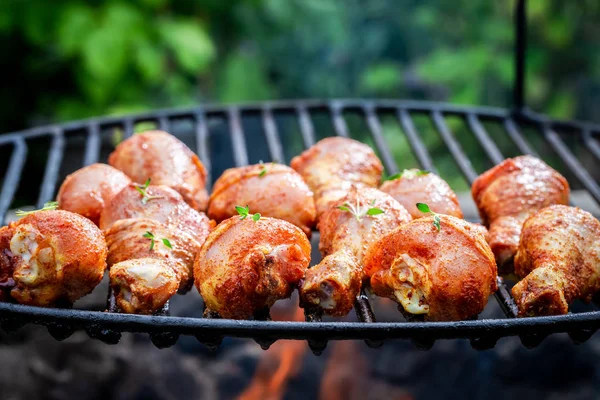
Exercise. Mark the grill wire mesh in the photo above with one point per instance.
(219, 135)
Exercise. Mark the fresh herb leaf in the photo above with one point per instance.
(408, 173)
(244, 212)
(262, 172)
(143, 191)
(149, 235)
(256, 217)
(393, 177)
(49, 205)
(167, 243)
(360, 211)
(424, 208)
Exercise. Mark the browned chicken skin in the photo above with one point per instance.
(508, 194)
(246, 265)
(165, 206)
(335, 282)
(50, 258)
(273, 190)
(333, 166)
(444, 275)
(558, 259)
(166, 161)
(89, 189)
(415, 186)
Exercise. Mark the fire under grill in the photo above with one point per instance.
(572, 147)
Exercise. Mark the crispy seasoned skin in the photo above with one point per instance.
(51, 257)
(443, 275)
(333, 165)
(335, 282)
(167, 206)
(126, 241)
(166, 161)
(558, 259)
(508, 194)
(273, 190)
(143, 285)
(89, 189)
(246, 265)
(415, 186)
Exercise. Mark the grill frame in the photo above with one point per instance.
(164, 330)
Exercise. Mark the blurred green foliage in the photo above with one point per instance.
(66, 59)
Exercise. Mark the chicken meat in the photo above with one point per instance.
(415, 186)
(333, 166)
(347, 231)
(439, 267)
(163, 204)
(246, 265)
(51, 258)
(165, 160)
(88, 190)
(273, 190)
(508, 194)
(558, 259)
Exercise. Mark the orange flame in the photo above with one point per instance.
(280, 363)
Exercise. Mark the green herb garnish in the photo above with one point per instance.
(359, 211)
(424, 208)
(245, 212)
(49, 205)
(150, 235)
(143, 189)
(407, 173)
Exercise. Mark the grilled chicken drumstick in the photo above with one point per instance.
(508, 194)
(558, 259)
(415, 186)
(333, 166)
(437, 266)
(89, 189)
(271, 189)
(50, 258)
(346, 233)
(246, 265)
(166, 161)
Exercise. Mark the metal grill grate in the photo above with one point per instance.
(212, 126)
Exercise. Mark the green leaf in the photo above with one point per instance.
(256, 217)
(423, 207)
(75, 24)
(148, 235)
(167, 243)
(393, 177)
(262, 172)
(149, 61)
(374, 211)
(104, 55)
(147, 183)
(244, 78)
(191, 44)
(49, 205)
(343, 208)
(242, 210)
(381, 78)
(436, 222)
(151, 244)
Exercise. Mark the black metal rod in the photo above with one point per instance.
(12, 177)
(202, 144)
(591, 143)
(490, 148)
(339, 124)
(92, 145)
(518, 139)
(417, 145)
(238, 142)
(520, 54)
(272, 136)
(306, 126)
(163, 123)
(52, 168)
(464, 163)
(127, 128)
(377, 133)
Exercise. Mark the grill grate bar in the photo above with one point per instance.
(275, 148)
(591, 144)
(518, 139)
(127, 128)
(306, 126)
(489, 146)
(163, 123)
(341, 129)
(202, 144)
(455, 149)
(238, 142)
(52, 168)
(574, 165)
(92, 145)
(417, 145)
(12, 177)
(377, 133)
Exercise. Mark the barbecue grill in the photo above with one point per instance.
(560, 137)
